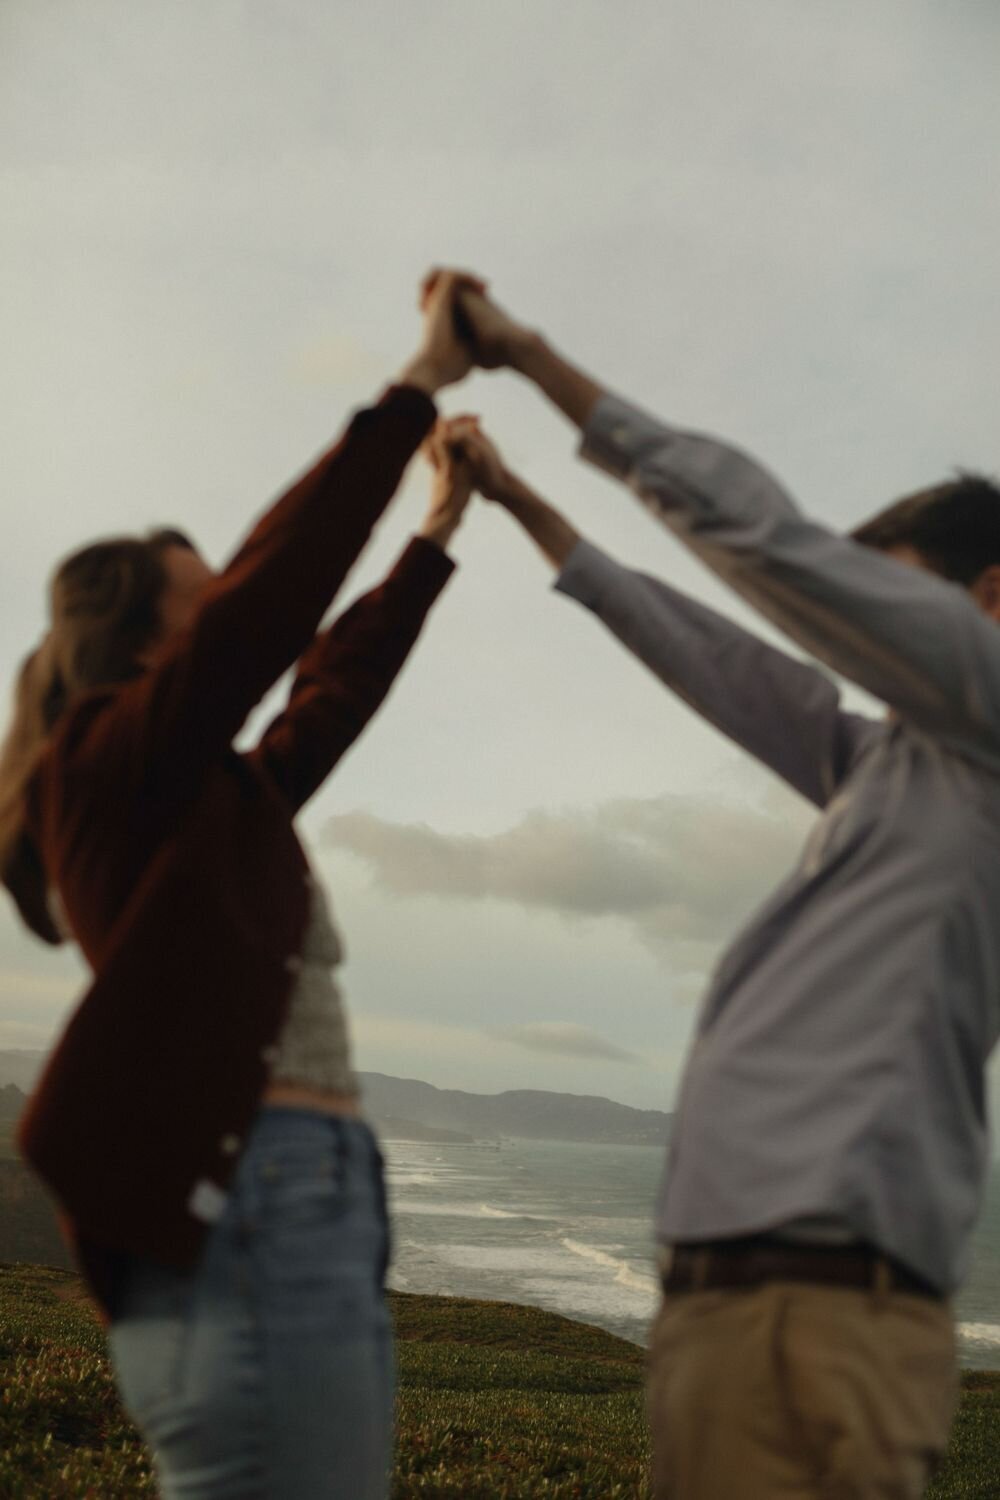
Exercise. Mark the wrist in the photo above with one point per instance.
(525, 351)
(512, 489)
(439, 533)
(423, 373)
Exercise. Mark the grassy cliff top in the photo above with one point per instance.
(496, 1402)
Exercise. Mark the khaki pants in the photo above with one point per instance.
(801, 1392)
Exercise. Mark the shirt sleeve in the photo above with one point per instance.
(911, 638)
(347, 672)
(783, 711)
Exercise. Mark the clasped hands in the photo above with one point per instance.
(463, 329)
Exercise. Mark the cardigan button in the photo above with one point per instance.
(230, 1144)
(293, 964)
(206, 1201)
(270, 1055)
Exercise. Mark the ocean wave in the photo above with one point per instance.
(489, 1212)
(980, 1333)
(394, 1175)
(403, 1204)
(625, 1273)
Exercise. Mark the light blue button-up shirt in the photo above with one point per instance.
(837, 1072)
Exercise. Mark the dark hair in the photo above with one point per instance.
(955, 527)
(104, 608)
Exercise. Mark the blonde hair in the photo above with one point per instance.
(104, 606)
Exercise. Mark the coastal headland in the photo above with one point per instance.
(496, 1402)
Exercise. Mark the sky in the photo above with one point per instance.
(774, 222)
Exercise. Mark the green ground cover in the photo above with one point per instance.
(496, 1403)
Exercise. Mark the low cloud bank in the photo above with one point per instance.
(564, 1038)
(682, 870)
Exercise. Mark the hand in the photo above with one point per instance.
(497, 340)
(493, 336)
(443, 357)
(462, 439)
(461, 442)
(490, 475)
(451, 490)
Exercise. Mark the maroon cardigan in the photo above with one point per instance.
(177, 863)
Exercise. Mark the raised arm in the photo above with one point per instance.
(160, 731)
(911, 638)
(784, 712)
(347, 672)
(917, 642)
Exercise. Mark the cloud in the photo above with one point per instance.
(409, 1035)
(683, 870)
(564, 1038)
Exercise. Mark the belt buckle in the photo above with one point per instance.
(664, 1260)
(684, 1268)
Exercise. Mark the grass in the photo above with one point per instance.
(504, 1401)
(496, 1402)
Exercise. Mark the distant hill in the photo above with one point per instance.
(531, 1114)
(392, 1128)
(12, 1101)
(20, 1066)
(406, 1106)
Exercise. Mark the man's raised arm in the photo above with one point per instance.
(919, 643)
(784, 712)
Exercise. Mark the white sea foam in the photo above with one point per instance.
(980, 1333)
(403, 1203)
(594, 1299)
(489, 1212)
(514, 1260)
(625, 1274)
(429, 1175)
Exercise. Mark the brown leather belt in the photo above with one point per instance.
(756, 1259)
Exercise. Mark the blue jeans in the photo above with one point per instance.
(266, 1373)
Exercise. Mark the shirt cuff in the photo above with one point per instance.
(411, 402)
(617, 434)
(586, 574)
(424, 567)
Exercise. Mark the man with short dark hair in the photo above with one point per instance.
(953, 529)
(830, 1145)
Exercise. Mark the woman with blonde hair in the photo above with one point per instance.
(198, 1122)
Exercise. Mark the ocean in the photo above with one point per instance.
(567, 1227)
